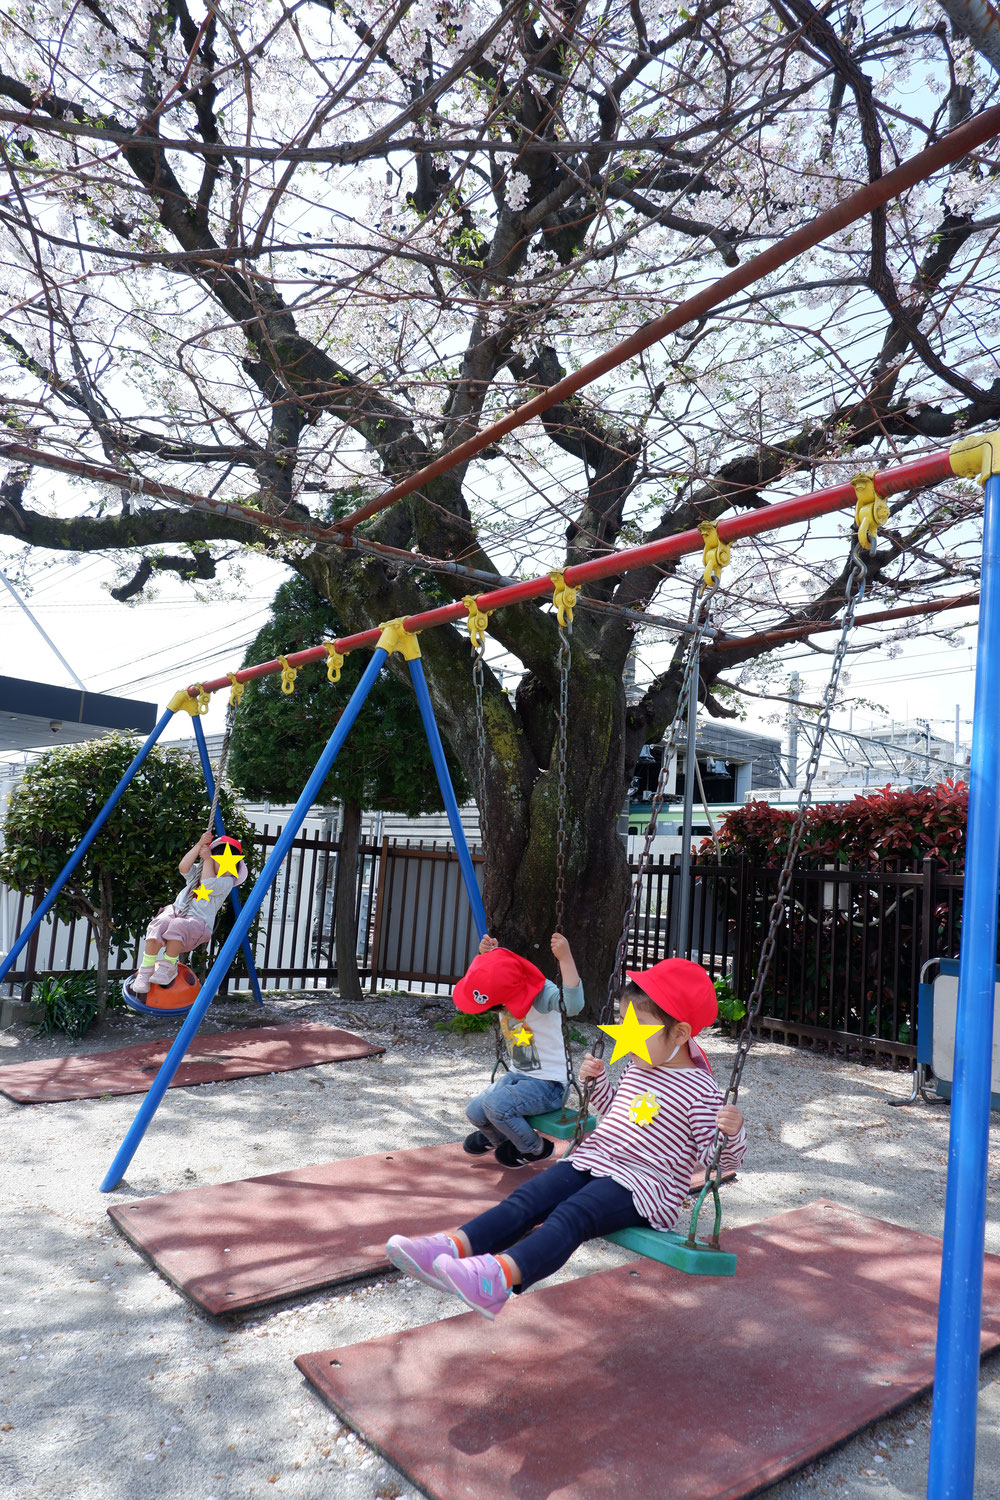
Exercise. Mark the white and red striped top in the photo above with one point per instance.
(654, 1160)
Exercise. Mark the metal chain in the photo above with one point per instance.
(562, 760)
(223, 761)
(853, 592)
(698, 617)
(184, 906)
(477, 683)
(478, 654)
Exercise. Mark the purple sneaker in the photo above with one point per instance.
(417, 1257)
(477, 1279)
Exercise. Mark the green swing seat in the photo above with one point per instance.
(560, 1123)
(664, 1245)
(672, 1249)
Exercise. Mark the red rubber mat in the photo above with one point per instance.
(640, 1381)
(227, 1054)
(241, 1244)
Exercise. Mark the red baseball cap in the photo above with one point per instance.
(682, 989)
(224, 839)
(502, 978)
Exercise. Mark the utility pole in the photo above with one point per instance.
(794, 689)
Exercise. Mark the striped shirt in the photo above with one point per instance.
(655, 1128)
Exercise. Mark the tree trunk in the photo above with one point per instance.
(345, 921)
(520, 870)
(103, 939)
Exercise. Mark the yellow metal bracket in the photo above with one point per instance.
(194, 704)
(477, 622)
(871, 511)
(236, 690)
(334, 661)
(288, 675)
(716, 554)
(564, 598)
(396, 637)
(976, 457)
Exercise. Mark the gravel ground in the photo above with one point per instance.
(113, 1388)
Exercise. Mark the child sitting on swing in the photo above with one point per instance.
(531, 1026)
(634, 1168)
(211, 869)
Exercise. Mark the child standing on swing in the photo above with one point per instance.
(210, 869)
(634, 1169)
(531, 1026)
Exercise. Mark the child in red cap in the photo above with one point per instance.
(635, 1167)
(531, 1027)
(188, 921)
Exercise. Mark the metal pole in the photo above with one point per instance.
(684, 907)
(951, 1474)
(241, 926)
(448, 794)
(48, 641)
(39, 916)
(206, 766)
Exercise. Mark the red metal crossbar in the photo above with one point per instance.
(912, 476)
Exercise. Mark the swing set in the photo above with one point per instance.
(953, 1424)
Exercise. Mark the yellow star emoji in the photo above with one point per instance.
(630, 1036)
(202, 893)
(522, 1036)
(643, 1109)
(228, 862)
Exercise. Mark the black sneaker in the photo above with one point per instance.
(509, 1156)
(477, 1144)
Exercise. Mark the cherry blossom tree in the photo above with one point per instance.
(286, 255)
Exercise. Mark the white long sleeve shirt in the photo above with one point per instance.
(655, 1127)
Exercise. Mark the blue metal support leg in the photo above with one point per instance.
(38, 917)
(241, 926)
(206, 766)
(951, 1473)
(448, 793)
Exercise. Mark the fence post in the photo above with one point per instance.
(31, 956)
(928, 896)
(740, 945)
(383, 864)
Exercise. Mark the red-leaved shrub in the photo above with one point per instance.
(904, 826)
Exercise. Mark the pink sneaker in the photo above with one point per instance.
(477, 1279)
(417, 1257)
(141, 981)
(164, 972)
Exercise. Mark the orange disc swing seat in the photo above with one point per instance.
(173, 999)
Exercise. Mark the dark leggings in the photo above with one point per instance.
(568, 1207)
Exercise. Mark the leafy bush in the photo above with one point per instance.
(462, 1023)
(903, 825)
(731, 1007)
(70, 1003)
(130, 870)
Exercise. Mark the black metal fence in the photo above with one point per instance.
(845, 973)
(849, 952)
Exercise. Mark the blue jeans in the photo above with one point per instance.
(499, 1111)
(567, 1206)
